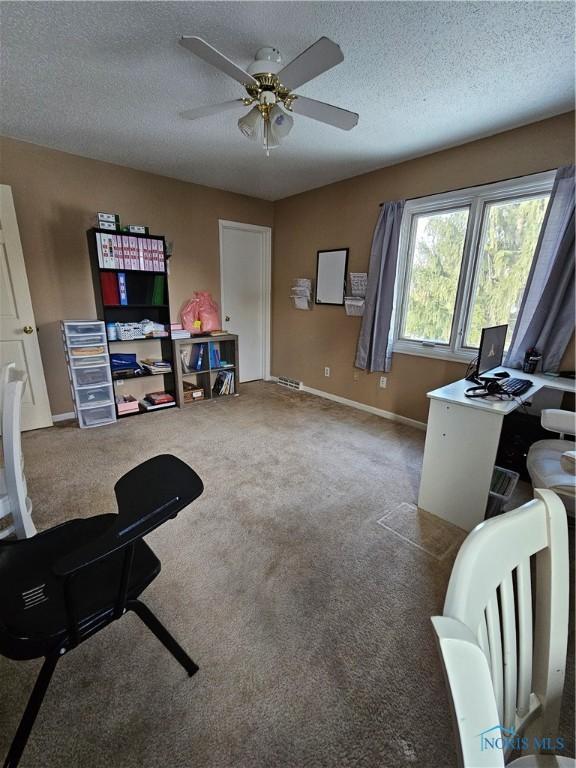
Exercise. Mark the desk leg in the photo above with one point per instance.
(459, 456)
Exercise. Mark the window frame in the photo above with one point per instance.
(476, 199)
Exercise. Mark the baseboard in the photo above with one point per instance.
(363, 407)
(63, 416)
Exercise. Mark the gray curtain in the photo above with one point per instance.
(546, 316)
(374, 350)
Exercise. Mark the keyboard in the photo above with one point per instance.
(515, 387)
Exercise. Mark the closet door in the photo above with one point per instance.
(18, 335)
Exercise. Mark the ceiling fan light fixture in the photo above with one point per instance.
(280, 122)
(249, 123)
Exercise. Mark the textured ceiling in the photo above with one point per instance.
(107, 80)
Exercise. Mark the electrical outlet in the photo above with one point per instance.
(383, 382)
(326, 371)
(356, 376)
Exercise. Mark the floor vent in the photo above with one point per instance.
(290, 383)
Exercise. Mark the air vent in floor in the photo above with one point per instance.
(284, 381)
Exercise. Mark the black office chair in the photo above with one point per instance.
(62, 586)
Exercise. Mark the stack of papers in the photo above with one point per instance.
(301, 292)
(154, 366)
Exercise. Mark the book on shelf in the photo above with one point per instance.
(197, 357)
(157, 398)
(224, 383)
(214, 355)
(154, 400)
(155, 365)
(146, 405)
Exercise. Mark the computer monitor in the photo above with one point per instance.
(491, 350)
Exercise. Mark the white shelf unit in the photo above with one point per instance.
(89, 372)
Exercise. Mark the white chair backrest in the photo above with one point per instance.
(4, 376)
(503, 638)
(18, 502)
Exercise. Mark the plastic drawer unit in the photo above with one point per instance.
(89, 372)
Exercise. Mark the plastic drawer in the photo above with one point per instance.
(82, 329)
(91, 396)
(88, 361)
(87, 351)
(89, 339)
(91, 376)
(95, 417)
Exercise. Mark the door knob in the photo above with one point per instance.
(227, 319)
(28, 329)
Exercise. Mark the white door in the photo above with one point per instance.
(18, 337)
(245, 294)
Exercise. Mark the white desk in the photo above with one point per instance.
(462, 439)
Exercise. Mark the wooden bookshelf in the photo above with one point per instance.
(141, 304)
(187, 355)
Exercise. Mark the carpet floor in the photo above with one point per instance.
(310, 621)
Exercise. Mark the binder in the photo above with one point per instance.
(122, 288)
(141, 250)
(107, 253)
(158, 290)
(149, 265)
(118, 252)
(134, 255)
(99, 249)
(110, 292)
(161, 259)
(126, 251)
(155, 256)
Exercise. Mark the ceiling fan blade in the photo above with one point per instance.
(325, 113)
(208, 53)
(321, 56)
(211, 109)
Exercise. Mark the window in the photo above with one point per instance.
(463, 264)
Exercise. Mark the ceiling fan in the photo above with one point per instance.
(270, 87)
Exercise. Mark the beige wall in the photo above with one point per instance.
(344, 215)
(57, 194)
(56, 197)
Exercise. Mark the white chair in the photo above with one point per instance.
(5, 371)
(14, 500)
(552, 463)
(503, 661)
(4, 376)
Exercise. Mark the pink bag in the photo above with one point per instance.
(201, 307)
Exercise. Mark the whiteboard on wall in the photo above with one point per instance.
(331, 276)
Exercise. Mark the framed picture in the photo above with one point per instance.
(331, 270)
